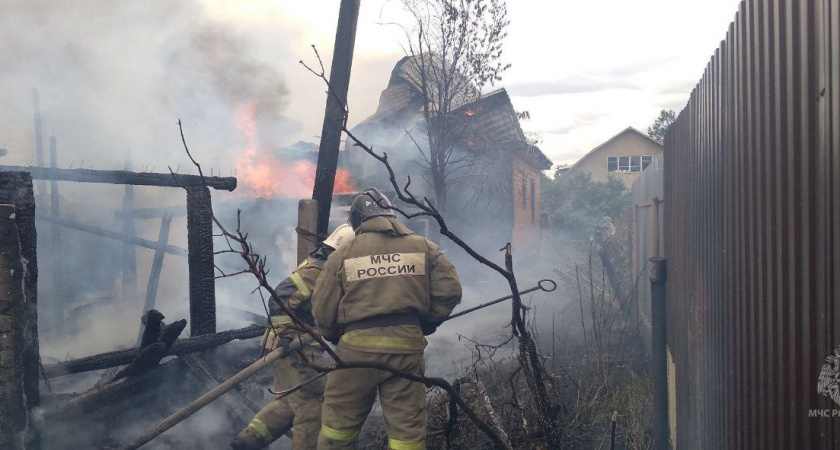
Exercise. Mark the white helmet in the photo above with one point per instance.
(341, 235)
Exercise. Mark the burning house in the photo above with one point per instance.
(494, 169)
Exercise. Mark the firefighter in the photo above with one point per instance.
(300, 410)
(376, 299)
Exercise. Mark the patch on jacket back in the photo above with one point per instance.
(387, 265)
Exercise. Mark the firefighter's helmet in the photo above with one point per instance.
(340, 236)
(370, 203)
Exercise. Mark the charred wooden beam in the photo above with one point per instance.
(200, 259)
(96, 231)
(13, 409)
(125, 177)
(151, 328)
(122, 357)
(108, 393)
(334, 114)
(16, 189)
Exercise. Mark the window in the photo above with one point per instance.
(628, 163)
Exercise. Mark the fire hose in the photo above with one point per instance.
(281, 352)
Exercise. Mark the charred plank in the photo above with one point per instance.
(122, 357)
(124, 177)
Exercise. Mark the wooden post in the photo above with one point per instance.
(18, 297)
(129, 254)
(13, 413)
(201, 267)
(345, 39)
(654, 227)
(307, 228)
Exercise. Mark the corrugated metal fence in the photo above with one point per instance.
(752, 233)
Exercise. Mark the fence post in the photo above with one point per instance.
(654, 227)
(307, 228)
(658, 277)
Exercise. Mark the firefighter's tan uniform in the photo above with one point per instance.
(374, 293)
(301, 410)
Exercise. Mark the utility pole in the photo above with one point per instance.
(345, 39)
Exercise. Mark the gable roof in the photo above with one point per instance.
(621, 133)
(494, 121)
(491, 117)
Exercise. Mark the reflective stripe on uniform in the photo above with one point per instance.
(340, 435)
(281, 319)
(260, 427)
(300, 284)
(405, 343)
(397, 444)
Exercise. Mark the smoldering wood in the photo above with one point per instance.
(109, 393)
(122, 357)
(151, 328)
(170, 333)
(16, 189)
(215, 393)
(157, 264)
(125, 177)
(129, 254)
(96, 231)
(151, 355)
(201, 266)
(148, 358)
(13, 411)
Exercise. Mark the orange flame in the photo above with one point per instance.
(265, 175)
(469, 113)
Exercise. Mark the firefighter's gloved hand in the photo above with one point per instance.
(283, 342)
(429, 328)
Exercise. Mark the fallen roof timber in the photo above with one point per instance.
(121, 357)
(124, 177)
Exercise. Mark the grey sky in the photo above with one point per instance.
(119, 75)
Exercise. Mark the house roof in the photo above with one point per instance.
(595, 150)
(491, 117)
(494, 121)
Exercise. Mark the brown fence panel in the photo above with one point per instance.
(752, 233)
